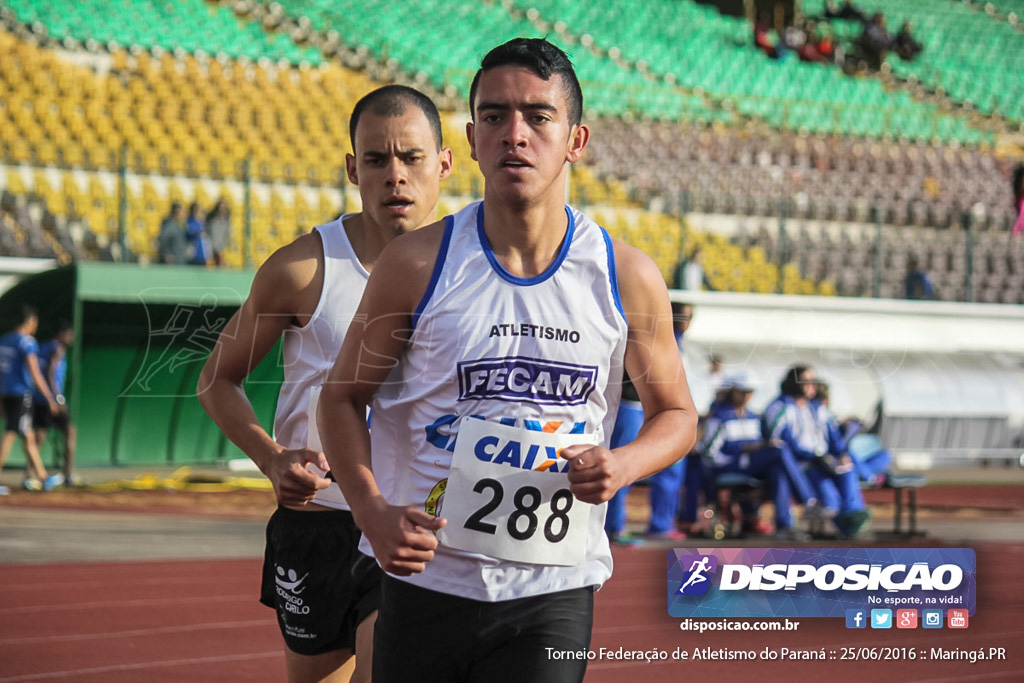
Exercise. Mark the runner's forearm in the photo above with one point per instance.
(659, 443)
(346, 442)
(228, 405)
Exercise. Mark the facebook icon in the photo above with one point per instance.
(856, 618)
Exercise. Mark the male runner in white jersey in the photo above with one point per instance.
(508, 325)
(324, 590)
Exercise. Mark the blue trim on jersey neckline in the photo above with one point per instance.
(442, 256)
(563, 252)
(612, 273)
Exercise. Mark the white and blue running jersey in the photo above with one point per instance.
(309, 352)
(538, 354)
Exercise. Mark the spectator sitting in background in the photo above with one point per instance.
(732, 443)
(875, 41)
(904, 44)
(827, 46)
(788, 425)
(792, 423)
(815, 48)
(917, 283)
(871, 467)
(794, 40)
(697, 485)
(764, 40)
(172, 244)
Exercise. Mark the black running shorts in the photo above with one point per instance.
(18, 413)
(319, 583)
(424, 635)
(42, 418)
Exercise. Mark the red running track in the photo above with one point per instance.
(199, 621)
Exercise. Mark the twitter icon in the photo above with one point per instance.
(881, 618)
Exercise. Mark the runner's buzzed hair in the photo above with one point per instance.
(391, 101)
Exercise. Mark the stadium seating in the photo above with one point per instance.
(419, 35)
(845, 254)
(969, 53)
(723, 170)
(713, 54)
(188, 25)
(200, 96)
(79, 118)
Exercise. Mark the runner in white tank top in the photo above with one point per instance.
(324, 591)
(510, 350)
(308, 351)
(508, 325)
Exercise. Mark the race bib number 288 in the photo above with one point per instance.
(508, 496)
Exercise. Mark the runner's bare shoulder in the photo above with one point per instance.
(407, 263)
(291, 278)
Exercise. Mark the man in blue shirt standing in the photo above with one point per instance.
(19, 376)
(917, 283)
(53, 364)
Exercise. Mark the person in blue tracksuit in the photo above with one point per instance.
(791, 423)
(733, 442)
(872, 466)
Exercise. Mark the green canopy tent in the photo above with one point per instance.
(142, 335)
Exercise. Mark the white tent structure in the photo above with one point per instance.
(943, 381)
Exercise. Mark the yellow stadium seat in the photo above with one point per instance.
(16, 184)
(20, 151)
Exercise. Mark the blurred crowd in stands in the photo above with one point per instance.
(193, 237)
(812, 39)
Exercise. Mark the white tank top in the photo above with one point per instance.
(309, 351)
(543, 353)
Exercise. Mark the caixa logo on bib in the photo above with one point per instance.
(443, 432)
(817, 582)
(517, 378)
